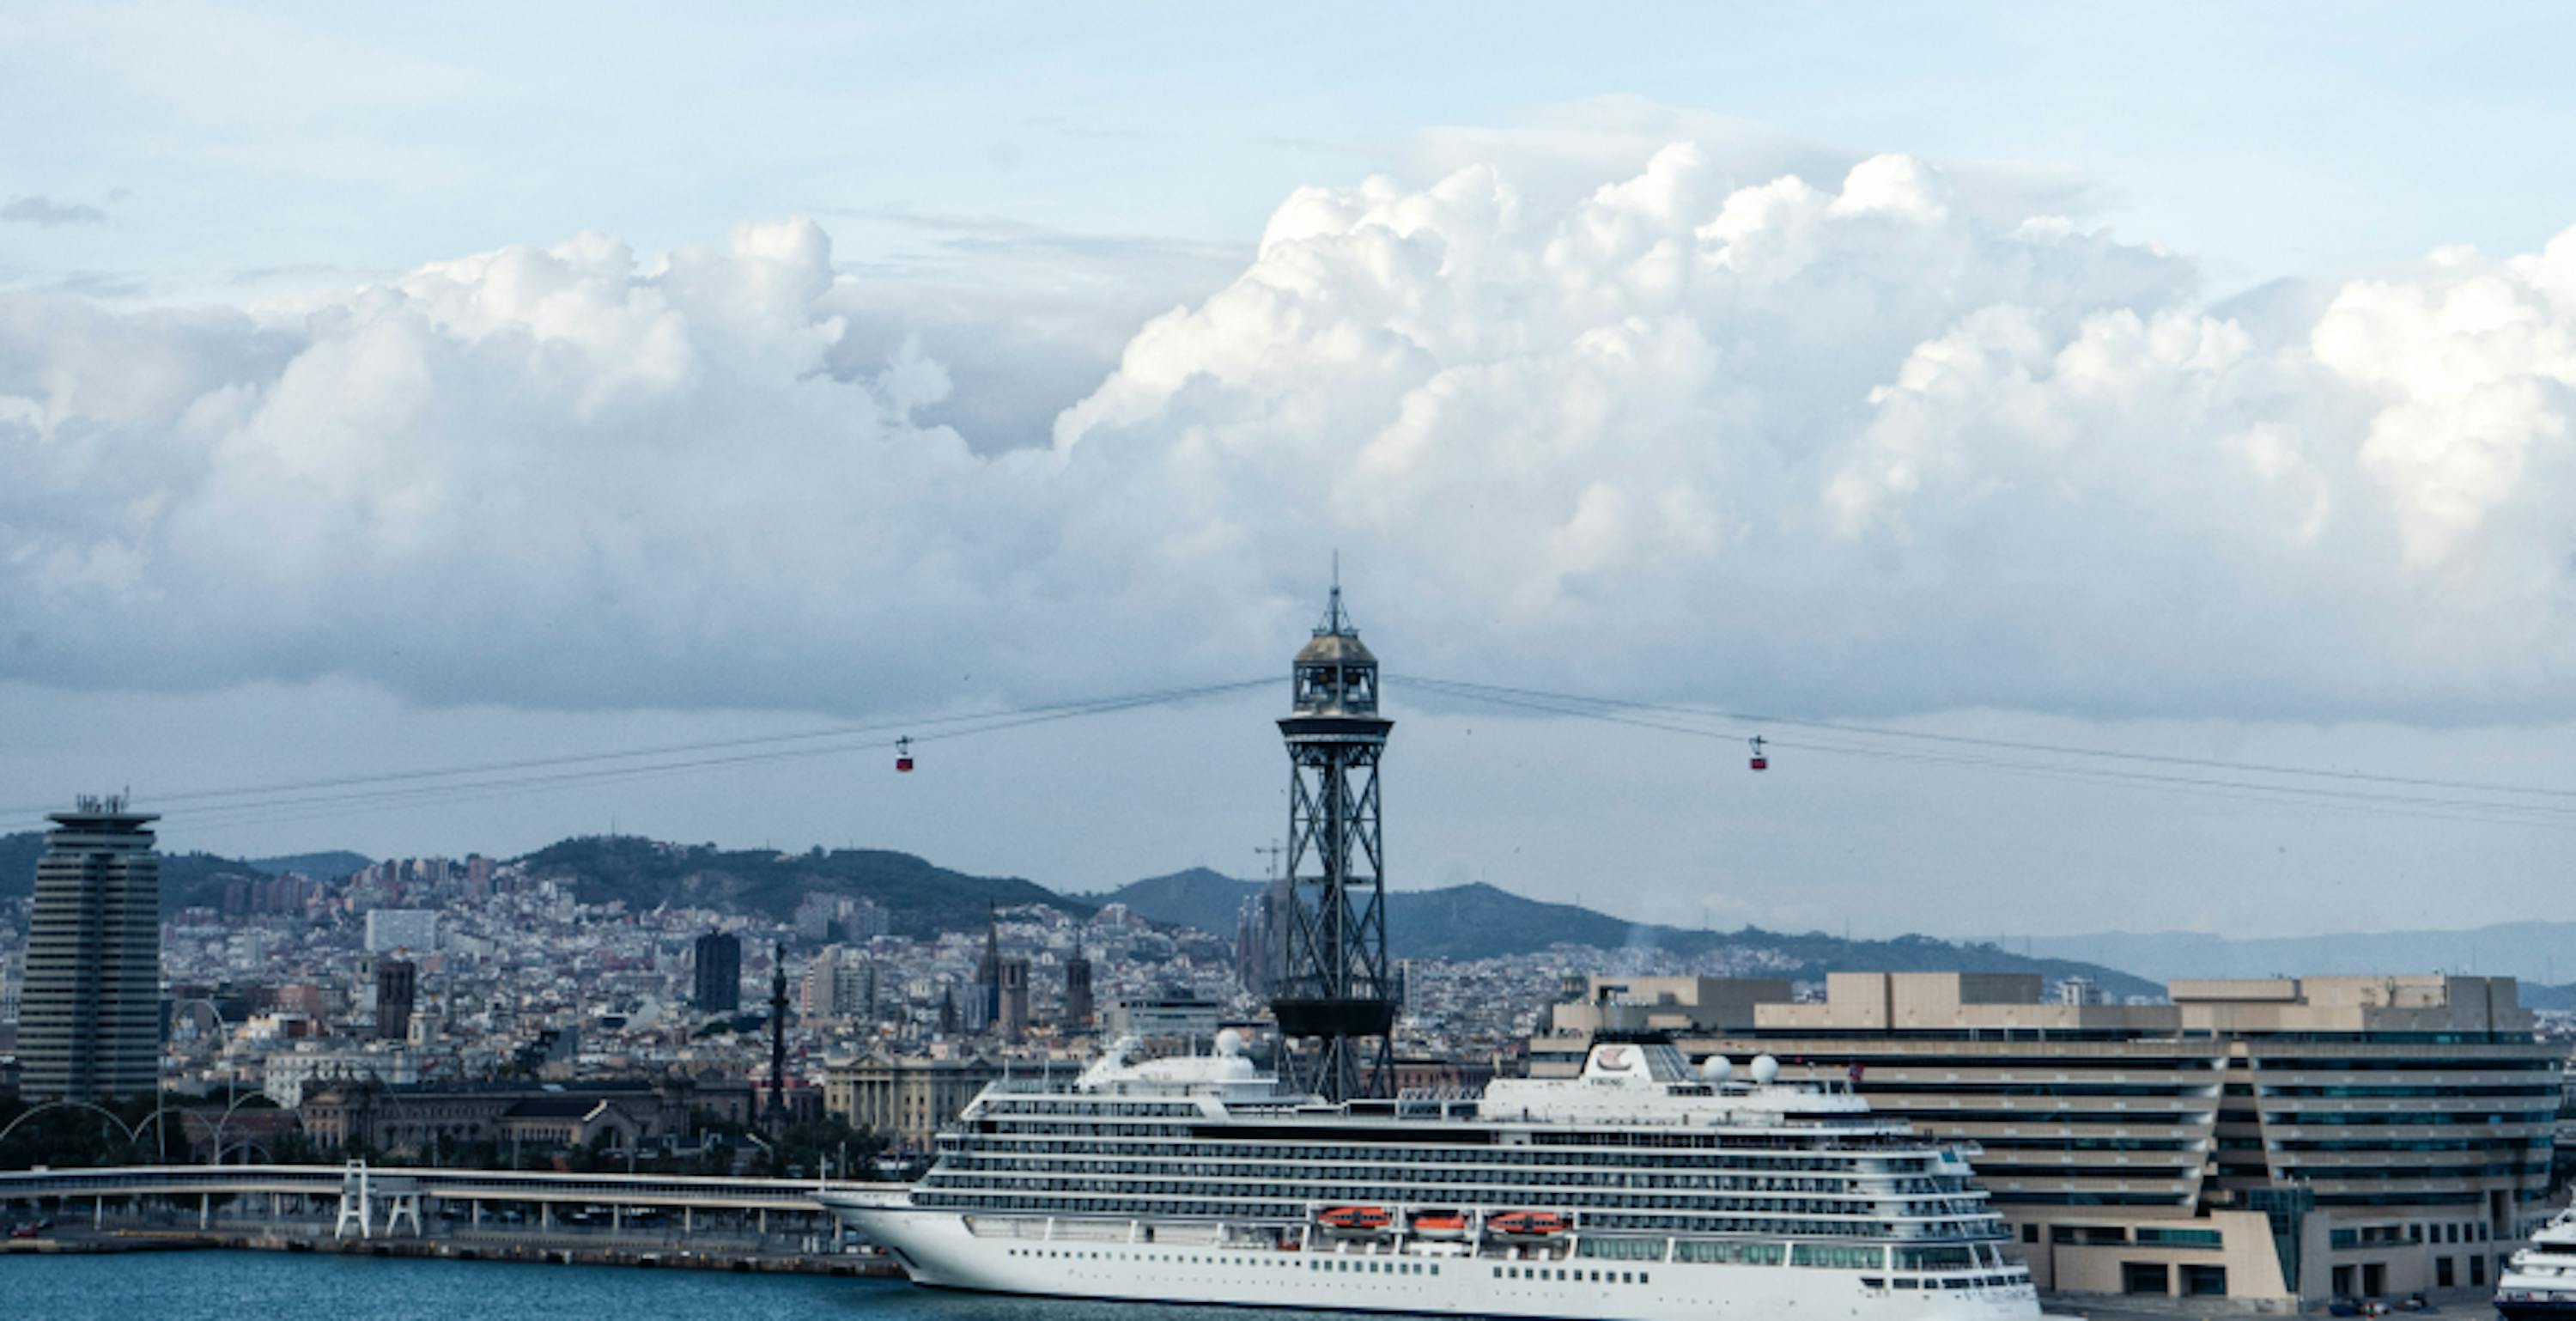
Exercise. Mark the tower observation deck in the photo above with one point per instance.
(1334, 988)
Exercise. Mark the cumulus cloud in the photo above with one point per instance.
(1886, 438)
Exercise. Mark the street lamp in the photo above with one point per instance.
(161, 1081)
(228, 1119)
(133, 1132)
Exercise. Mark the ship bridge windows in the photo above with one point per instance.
(1731, 1253)
(1622, 1249)
(1838, 1256)
(1956, 1257)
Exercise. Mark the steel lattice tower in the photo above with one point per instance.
(1333, 986)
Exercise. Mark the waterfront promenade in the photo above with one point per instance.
(673, 1219)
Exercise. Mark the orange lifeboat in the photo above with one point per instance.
(1528, 1224)
(1439, 1224)
(1355, 1219)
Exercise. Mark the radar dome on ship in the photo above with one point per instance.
(1716, 1069)
(1229, 1043)
(1765, 1068)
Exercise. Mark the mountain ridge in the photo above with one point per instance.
(328, 865)
(1479, 920)
(1457, 922)
(188, 880)
(921, 898)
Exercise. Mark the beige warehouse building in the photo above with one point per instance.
(2268, 1141)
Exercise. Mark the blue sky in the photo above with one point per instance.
(2296, 139)
(389, 385)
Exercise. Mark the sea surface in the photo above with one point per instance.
(254, 1286)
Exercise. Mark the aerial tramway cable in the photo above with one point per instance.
(2309, 787)
(322, 797)
(1995, 757)
(1464, 688)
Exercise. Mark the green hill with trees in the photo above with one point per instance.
(923, 899)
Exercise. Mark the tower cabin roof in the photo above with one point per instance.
(1334, 649)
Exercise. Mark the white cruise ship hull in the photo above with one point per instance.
(1183, 1264)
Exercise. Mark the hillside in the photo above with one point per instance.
(1195, 898)
(1481, 921)
(330, 865)
(924, 899)
(2533, 995)
(187, 879)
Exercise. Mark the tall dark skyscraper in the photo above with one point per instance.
(89, 1017)
(719, 973)
(397, 982)
(1077, 990)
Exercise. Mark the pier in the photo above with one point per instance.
(608, 1219)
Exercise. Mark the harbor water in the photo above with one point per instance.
(128, 1286)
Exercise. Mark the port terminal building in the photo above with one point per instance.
(2274, 1142)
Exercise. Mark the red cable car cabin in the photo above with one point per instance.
(903, 754)
(1761, 759)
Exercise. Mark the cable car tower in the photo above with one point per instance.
(1334, 988)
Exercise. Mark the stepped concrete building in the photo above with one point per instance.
(2269, 1140)
(839, 983)
(89, 1024)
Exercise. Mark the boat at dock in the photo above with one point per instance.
(2539, 1283)
(1643, 1190)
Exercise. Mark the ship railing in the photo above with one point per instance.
(986, 1226)
(1094, 1231)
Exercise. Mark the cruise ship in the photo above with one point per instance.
(1643, 1190)
(2539, 1284)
